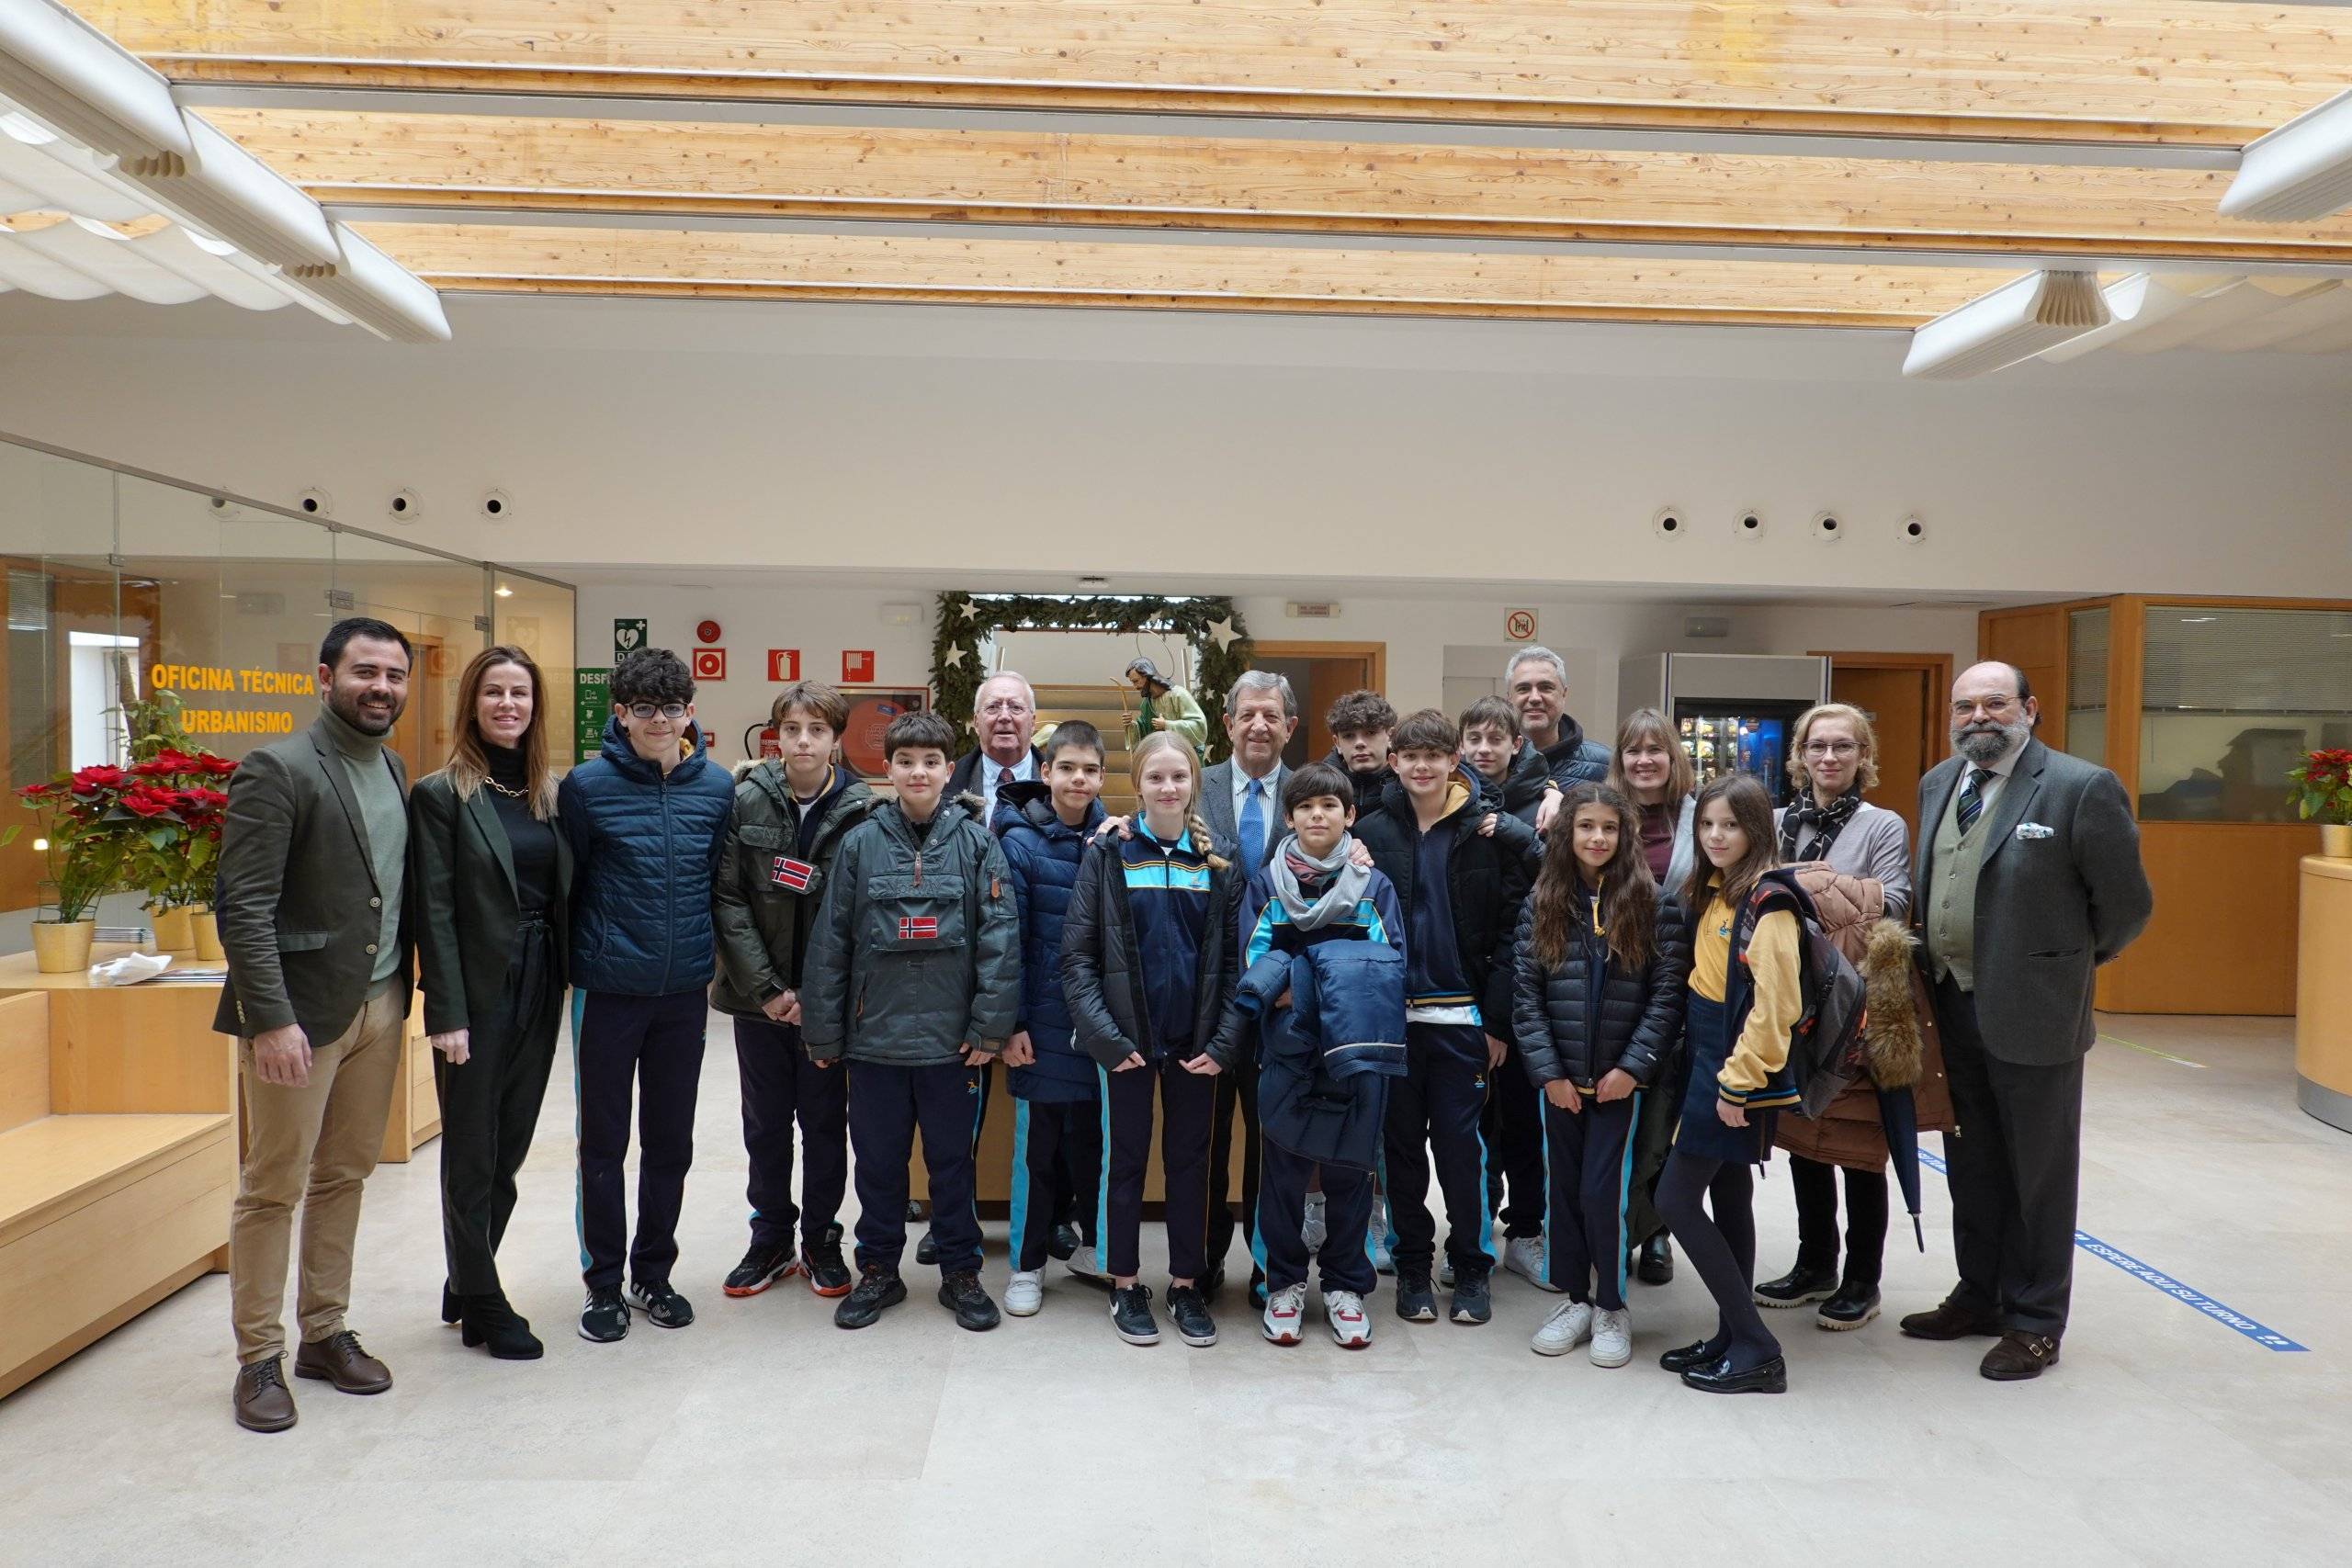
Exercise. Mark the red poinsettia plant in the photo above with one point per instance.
(2323, 787)
(81, 832)
(172, 808)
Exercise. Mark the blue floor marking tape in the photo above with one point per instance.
(2261, 1333)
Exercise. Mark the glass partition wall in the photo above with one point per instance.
(122, 584)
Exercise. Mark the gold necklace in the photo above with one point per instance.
(509, 793)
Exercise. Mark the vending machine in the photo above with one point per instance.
(1733, 711)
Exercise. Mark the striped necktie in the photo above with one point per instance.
(1971, 797)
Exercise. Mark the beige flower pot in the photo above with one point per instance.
(62, 947)
(206, 927)
(2335, 840)
(174, 932)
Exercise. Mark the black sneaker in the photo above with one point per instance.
(876, 1288)
(604, 1319)
(1657, 1264)
(1798, 1286)
(822, 1262)
(833, 1233)
(963, 1296)
(1850, 1308)
(1472, 1300)
(926, 1250)
(1416, 1303)
(1189, 1310)
(1131, 1316)
(762, 1266)
(662, 1306)
(1063, 1244)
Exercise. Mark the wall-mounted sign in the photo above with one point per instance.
(784, 664)
(592, 705)
(1519, 625)
(857, 664)
(710, 664)
(706, 631)
(628, 636)
(870, 713)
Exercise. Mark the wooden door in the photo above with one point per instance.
(1320, 673)
(1904, 696)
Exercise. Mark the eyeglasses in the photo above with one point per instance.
(667, 710)
(1006, 706)
(1991, 707)
(1831, 748)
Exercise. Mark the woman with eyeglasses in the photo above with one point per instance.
(1854, 859)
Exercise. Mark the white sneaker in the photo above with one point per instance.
(1612, 1338)
(1285, 1309)
(1025, 1292)
(1530, 1258)
(1383, 1260)
(1569, 1325)
(1350, 1326)
(1312, 1230)
(1086, 1266)
(1445, 1270)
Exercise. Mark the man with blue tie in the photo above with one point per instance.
(2028, 879)
(1241, 800)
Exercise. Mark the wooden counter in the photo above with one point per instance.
(2323, 993)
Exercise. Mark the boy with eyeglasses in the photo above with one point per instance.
(647, 820)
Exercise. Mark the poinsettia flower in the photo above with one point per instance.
(220, 767)
(34, 794)
(145, 800)
(98, 776)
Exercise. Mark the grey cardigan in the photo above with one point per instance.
(1874, 846)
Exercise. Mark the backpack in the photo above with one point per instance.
(1826, 1047)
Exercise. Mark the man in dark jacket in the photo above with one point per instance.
(1536, 682)
(913, 976)
(647, 820)
(318, 990)
(791, 814)
(1058, 1124)
(1461, 892)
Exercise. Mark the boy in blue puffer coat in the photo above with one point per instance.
(647, 820)
(1043, 827)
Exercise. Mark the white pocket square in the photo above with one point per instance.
(2035, 830)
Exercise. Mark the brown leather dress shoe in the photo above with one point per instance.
(1948, 1322)
(339, 1359)
(262, 1401)
(2020, 1356)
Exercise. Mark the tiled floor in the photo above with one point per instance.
(763, 1433)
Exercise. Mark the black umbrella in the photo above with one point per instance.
(1899, 1115)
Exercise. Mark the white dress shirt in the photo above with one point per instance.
(990, 771)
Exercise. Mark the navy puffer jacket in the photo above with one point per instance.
(647, 846)
(1041, 851)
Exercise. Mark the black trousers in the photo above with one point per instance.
(1345, 1259)
(2014, 1170)
(1513, 1128)
(1070, 1195)
(1236, 1090)
(1816, 1190)
(1591, 1154)
(653, 1044)
(781, 1085)
(490, 1107)
(1186, 1102)
(1055, 1144)
(1433, 1111)
(887, 1104)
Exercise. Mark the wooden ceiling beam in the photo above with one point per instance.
(2209, 73)
(702, 263)
(720, 169)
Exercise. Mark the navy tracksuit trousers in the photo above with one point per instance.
(781, 1085)
(1590, 1155)
(1185, 1100)
(652, 1044)
(1433, 1111)
(1345, 1259)
(887, 1103)
(1056, 1150)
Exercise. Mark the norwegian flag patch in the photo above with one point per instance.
(795, 875)
(918, 928)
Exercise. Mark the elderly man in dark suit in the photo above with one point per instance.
(313, 854)
(2028, 878)
(1004, 716)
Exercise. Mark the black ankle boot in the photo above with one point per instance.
(450, 1310)
(489, 1322)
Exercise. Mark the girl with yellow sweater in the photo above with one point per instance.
(1746, 992)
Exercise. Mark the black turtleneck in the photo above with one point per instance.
(529, 840)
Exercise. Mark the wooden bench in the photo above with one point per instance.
(118, 1162)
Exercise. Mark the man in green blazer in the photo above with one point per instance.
(313, 852)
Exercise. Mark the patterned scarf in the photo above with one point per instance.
(1342, 883)
(1826, 822)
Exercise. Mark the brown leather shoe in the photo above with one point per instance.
(1948, 1322)
(339, 1359)
(261, 1399)
(2020, 1356)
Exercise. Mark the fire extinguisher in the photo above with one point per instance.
(768, 745)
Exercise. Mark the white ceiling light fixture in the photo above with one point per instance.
(84, 84)
(2136, 303)
(2014, 321)
(2299, 172)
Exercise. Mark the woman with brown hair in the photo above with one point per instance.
(488, 879)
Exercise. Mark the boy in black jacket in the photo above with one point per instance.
(1461, 892)
(1361, 724)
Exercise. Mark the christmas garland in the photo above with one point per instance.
(1221, 646)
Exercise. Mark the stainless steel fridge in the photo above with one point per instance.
(1733, 711)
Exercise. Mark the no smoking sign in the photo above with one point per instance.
(1519, 625)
